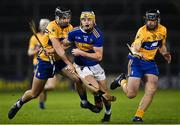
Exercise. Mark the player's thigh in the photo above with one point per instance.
(103, 85)
(92, 80)
(37, 86)
(52, 82)
(129, 66)
(69, 75)
(133, 84)
(151, 83)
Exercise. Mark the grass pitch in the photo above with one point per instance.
(63, 107)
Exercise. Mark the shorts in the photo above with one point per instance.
(141, 67)
(97, 71)
(46, 70)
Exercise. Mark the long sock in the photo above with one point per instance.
(107, 108)
(123, 82)
(98, 102)
(19, 103)
(83, 98)
(139, 113)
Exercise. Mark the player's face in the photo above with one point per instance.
(151, 24)
(63, 22)
(87, 23)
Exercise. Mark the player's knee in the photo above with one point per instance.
(150, 92)
(34, 95)
(50, 87)
(131, 95)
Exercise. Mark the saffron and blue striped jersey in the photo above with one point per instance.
(85, 42)
(34, 44)
(53, 30)
(150, 41)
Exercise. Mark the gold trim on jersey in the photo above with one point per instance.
(84, 46)
(95, 32)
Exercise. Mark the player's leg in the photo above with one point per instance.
(117, 81)
(131, 85)
(37, 87)
(50, 85)
(80, 89)
(107, 104)
(61, 69)
(150, 89)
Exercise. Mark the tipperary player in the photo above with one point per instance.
(88, 53)
(149, 39)
(52, 61)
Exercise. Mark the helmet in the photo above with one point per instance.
(43, 24)
(88, 14)
(153, 14)
(62, 13)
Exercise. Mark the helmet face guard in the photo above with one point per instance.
(62, 13)
(62, 17)
(87, 15)
(152, 15)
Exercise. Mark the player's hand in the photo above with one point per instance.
(70, 68)
(167, 57)
(50, 51)
(138, 55)
(77, 52)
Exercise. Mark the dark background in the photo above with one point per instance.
(118, 19)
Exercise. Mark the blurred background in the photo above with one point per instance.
(118, 19)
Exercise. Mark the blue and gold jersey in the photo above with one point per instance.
(150, 41)
(85, 42)
(53, 30)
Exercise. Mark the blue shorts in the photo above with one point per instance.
(141, 67)
(46, 70)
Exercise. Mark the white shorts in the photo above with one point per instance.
(97, 71)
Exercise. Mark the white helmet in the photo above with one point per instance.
(43, 24)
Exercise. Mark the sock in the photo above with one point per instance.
(123, 82)
(83, 97)
(139, 113)
(108, 112)
(83, 101)
(107, 108)
(19, 103)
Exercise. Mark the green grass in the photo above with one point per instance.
(64, 107)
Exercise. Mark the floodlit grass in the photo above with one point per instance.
(64, 107)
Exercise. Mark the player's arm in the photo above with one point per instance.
(165, 53)
(163, 48)
(66, 43)
(33, 47)
(135, 48)
(58, 47)
(97, 55)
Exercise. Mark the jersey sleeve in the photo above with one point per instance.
(71, 36)
(70, 27)
(99, 39)
(52, 31)
(32, 42)
(99, 42)
(164, 37)
(139, 37)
